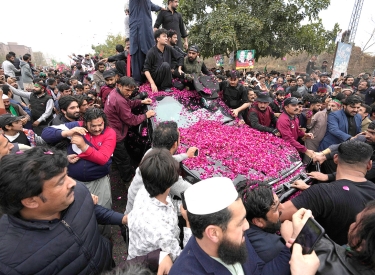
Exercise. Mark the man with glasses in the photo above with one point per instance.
(118, 109)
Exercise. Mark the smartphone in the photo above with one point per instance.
(309, 236)
(183, 200)
(196, 153)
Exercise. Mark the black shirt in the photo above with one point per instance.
(352, 127)
(59, 119)
(234, 97)
(155, 58)
(335, 205)
(276, 106)
(172, 21)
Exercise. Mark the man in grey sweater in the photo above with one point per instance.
(166, 135)
(26, 72)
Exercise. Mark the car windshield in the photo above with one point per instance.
(169, 108)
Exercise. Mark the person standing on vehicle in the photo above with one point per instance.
(141, 38)
(170, 19)
(288, 126)
(118, 109)
(235, 94)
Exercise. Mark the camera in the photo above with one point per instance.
(141, 96)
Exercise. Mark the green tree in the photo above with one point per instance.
(271, 27)
(108, 48)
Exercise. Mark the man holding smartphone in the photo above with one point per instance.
(335, 204)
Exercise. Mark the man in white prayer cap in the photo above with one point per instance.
(217, 219)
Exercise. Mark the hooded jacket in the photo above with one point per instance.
(26, 73)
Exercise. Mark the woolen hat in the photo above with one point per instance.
(263, 97)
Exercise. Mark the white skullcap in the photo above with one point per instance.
(5, 97)
(210, 195)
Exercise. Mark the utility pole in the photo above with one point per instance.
(353, 24)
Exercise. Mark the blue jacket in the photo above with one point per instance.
(270, 248)
(140, 25)
(318, 85)
(70, 245)
(193, 260)
(337, 129)
(95, 163)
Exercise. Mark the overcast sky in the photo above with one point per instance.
(61, 28)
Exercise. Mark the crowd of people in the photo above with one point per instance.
(63, 132)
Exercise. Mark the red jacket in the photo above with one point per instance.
(119, 113)
(290, 131)
(95, 162)
(104, 92)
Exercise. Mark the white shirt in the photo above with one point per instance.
(9, 68)
(234, 269)
(153, 225)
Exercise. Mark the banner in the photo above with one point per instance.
(219, 60)
(231, 58)
(291, 70)
(342, 57)
(245, 59)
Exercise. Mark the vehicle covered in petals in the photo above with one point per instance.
(226, 147)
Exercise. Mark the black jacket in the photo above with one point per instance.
(154, 60)
(253, 121)
(59, 119)
(72, 245)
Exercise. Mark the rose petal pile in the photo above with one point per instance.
(239, 149)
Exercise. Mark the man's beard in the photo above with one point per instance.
(111, 85)
(37, 92)
(348, 113)
(231, 253)
(272, 227)
(191, 59)
(73, 116)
